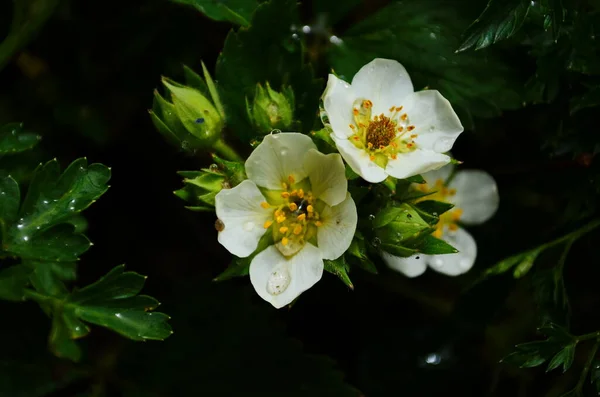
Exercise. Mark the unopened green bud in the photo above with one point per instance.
(271, 109)
(201, 187)
(190, 119)
(398, 227)
(196, 113)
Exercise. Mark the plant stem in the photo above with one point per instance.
(574, 235)
(226, 151)
(586, 369)
(593, 335)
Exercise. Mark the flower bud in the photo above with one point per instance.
(270, 109)
(398, 228)
(190, 119)
(202, 186)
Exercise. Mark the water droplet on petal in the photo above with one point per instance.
(371, 217)
(283, 152)
(376, 242)
(437, 262)
(278, 281)
(248, 226)
(464, 263)
(443, 145)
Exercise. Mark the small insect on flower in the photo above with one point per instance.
(219, 225)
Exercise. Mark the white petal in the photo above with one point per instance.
(476, 195)
(431, 177)
(385, 82)
(416, 162)
(436, 124)
(279, 280)
(240, 211)
(459, 263)
(359, 161)
(327, 176)
(338, 99)
(339, 224)
(413, 266)
(277, 157)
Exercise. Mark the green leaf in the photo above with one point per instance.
(500, 20)
(52, 198)
(476, 83)
(532, 354)
(112, 302)
(340, 268)
(398, 250)
(236, 11)
(358, 251)
(45, 230)
(13, 281)
(435, 208)
(10, 199)
(240, 67)
(564, 357)
(434, 246)
(14, 140)
(416, 179)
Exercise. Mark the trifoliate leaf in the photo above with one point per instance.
(500, 20)
(14, 140)
(236, 11)
(110, 302)
(340, 268)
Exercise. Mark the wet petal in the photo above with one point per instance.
(339, 224)
(243, 218)
(443, 173)
(359, 161)
(412, 266)
(416, 162)
(338, 99)
(277, 157)
(459, 263)
(436, 124)
(327, 176)
(383, 81)
(280, 280)
(476, 195)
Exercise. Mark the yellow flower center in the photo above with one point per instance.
(295, 216)
(381, 136)
(442, 193)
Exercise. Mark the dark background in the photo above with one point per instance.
(85, 84)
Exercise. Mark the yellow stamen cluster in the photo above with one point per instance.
(382, 136)
(448, 219)
(295, 216)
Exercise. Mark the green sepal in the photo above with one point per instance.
(340, 268)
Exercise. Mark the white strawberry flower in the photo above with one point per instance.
(475, 196)
(298, 194)
(382, 127)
